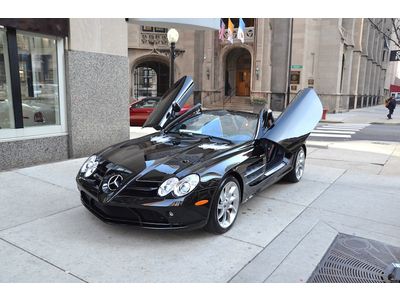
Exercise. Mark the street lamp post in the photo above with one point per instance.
(173, 37)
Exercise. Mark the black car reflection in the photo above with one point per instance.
(197, 170)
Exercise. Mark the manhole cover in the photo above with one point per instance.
(355, 259)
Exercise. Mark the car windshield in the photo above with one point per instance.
(236, 127)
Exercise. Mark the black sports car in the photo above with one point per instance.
(197, 170)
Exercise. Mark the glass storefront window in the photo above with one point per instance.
(39, 79)
(6, 109)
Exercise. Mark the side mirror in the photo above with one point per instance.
(268, 119)
(176, 108)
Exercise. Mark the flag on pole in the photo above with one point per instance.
(240, 33)
(221, 30)
(230, 31)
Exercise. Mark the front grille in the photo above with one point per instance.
(104, 171)
(352, 259)
(119, 214)
(108, 212)
(141, 189)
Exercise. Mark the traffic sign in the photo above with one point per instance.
(297, 67)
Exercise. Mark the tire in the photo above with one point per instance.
(224, 210)
(297, 172)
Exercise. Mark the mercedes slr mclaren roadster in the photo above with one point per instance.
(200, 166)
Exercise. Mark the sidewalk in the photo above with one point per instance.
(372, 115)
(46, 235)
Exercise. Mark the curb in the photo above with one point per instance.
(320, 146)
(328, 121)
(383, 123)
(373, 123)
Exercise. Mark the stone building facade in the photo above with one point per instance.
(345, 60)
(65, 84)
(63, 88)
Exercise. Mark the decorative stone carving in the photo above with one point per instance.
(248, 35)
(153, 38)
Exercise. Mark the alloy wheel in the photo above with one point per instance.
(300, 163)
(228, 204)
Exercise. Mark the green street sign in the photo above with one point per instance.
(297, 67)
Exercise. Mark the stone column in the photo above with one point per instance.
(355, 72)
(199, 66)
(330, 64)
(346, 80)
(371, 64)
(377, 84)
(355, 68)
(279, 62)
(367, 84)
(362, 80)
(364, 62)
(262, 58)
(97, 71)
(372, 83)
(382, 86)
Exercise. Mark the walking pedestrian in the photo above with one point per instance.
(390, 105)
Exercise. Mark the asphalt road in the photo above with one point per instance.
(389, 133)
(345, 132)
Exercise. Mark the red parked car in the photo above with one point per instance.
(140, 110)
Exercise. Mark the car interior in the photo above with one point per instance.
(234, 127)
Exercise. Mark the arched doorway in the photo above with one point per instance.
(238, 73)
(150, 78)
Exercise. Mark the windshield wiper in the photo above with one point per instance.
(191, 133)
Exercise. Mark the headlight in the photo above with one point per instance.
(167, 186)
(180, 187)
(89, 166)
(186, 185)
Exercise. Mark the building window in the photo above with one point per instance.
(38, 72)
(145, 82)
(32, 101)
(6, 109)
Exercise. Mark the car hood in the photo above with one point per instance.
(158, 156)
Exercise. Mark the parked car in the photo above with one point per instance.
(201, 166)
(141, 110)
(32, 115)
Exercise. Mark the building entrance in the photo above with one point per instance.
(238, 72)
(243, 82)
(150, 79)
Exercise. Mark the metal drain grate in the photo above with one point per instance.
(354, 259)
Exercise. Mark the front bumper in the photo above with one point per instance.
(153, 217)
